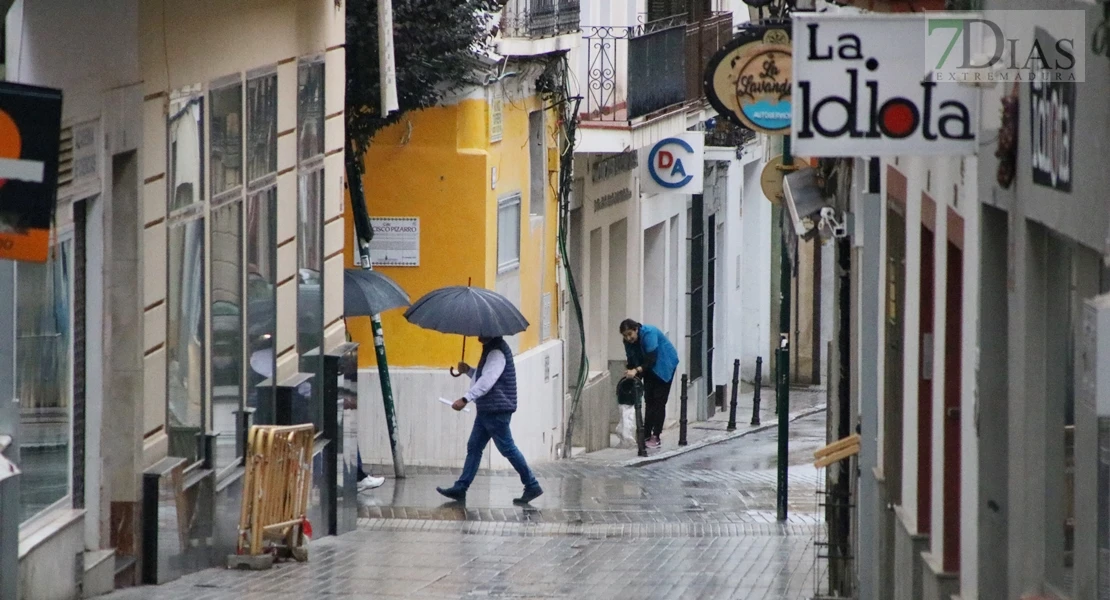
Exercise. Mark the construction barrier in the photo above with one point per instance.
(272, 522)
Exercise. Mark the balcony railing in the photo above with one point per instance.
(728, 135)
(534, 19)
(636, 71)
(703, 39)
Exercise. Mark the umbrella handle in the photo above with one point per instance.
(452, 369)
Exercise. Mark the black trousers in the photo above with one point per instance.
(656, 392)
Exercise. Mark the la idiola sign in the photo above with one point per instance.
(862, 87)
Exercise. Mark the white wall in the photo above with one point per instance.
(969, 387)
(739, 321)
(755, 273)
(912, 169)
(432, 434)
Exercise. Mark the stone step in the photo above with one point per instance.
(100, 573)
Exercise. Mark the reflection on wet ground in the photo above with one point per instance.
(721, 483)
(698, 526)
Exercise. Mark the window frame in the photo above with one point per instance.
(182, 217)
(504, 202)
(58, 237)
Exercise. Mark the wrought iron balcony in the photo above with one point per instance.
(535, 19)
(727, 135)
(647, 68)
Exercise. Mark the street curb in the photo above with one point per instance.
(647, 460)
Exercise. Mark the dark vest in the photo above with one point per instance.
(502, 396)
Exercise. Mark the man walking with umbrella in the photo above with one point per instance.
(475, 311)
(493, 390)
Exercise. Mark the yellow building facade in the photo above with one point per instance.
(443, 166)
(480, 174)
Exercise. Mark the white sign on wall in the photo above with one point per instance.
(862, 87)
(396, 242)
(675, 165)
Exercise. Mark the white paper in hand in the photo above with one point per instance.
(450, 402)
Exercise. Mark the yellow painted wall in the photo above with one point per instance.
(436, 164)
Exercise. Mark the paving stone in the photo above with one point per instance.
(695, 527)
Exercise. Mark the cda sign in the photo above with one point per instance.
(675, 164)
(862, 87)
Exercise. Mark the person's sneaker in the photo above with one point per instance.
(529, 495)
(453, 493)
(370, 482)
(653, 442)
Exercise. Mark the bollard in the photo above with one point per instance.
(783, 392)
(641, 443)
(735, 392)
(682, 412)
(758, 385)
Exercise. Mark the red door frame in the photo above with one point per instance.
(924, 376)
(953, 379)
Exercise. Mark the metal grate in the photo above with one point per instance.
(80, 217)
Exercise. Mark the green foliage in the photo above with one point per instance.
(435, 43)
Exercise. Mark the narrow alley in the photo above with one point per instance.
(699, 525)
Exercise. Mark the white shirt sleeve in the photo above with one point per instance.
(495, 365)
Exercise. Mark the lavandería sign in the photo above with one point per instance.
(862, 88)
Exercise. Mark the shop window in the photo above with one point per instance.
(227, 328)
(185, 337)
(310, 282)
(261, 228)
(261, 126)
(227, 138)
(44, 378)
(261, 299)
(186, 153)
(310, 110)
(310, 229)
(508, 233)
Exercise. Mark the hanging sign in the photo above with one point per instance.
(1052, 123)
(30, 128)
(862, 87)
(749, 79)
(675, 164)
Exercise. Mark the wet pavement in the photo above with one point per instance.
(804, 401)
(700, 525)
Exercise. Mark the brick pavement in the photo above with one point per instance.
(696, 528)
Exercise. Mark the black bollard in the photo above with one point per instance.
(682, 412)
(735, 392)
(758, 386)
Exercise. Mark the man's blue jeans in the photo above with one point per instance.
(493, 426)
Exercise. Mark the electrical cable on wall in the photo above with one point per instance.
(554, 88)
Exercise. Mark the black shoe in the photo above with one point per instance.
(529, 495)
(453, 493)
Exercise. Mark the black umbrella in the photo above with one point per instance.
(367, 293)
(467, 311)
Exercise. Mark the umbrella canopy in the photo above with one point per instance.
(467, 311)
(367, 293)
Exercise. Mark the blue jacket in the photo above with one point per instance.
(502, 396)
(653, 342)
